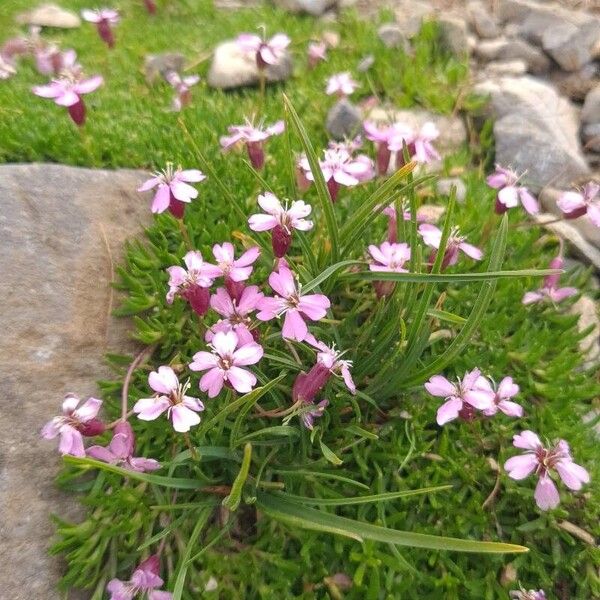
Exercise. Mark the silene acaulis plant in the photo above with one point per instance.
(305, 329)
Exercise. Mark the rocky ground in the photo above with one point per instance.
(63, 229)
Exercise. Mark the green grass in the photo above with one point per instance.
(129, 127)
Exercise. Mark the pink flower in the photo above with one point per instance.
(145, 580)
(150, 6)
(381, 135)
(527, 595)
(67, 91)
(317, 52)
(75, 422)
(577, 204)
(432, 236)
(332, 360)
(280, 221)
(253, 137)
(420, 147)
(170, 397)
(341, 84)
(510, 194)
(173, 190)
(236, 313)
(120, 451)
(507, 389)
(223, 364)
(461, 397)
(291, 303)
(550, 290)
(543, 462)
(233, 270)
(389, 258)
(340, 168)
(313, 411)
(104, 18)
(182, 86)
(191, 285)
(346, 145)
(7, 68)
(268, 52)
(51, 60)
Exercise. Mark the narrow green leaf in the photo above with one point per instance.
(308, 474)
(327, 273)
(169, 482)
(384, 497)
(250, 397)
(185, 562)
(309, 518)
(479, 308)
(233, 500)
(443, 315)
(329, 454)
(356, 430)
(275, 431)
(449, 277)
(319, 181)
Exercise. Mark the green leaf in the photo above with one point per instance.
(329, 454)
(384, 497)
(169, 482)
(276, 431)
(297, 515)
(185, 562)
(449, 277)
(250, 397)
(319, 181)
(479, 308)
(308, 474)
(327, 273)
(233, 500)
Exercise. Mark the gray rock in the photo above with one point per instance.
(482, 21)
(231, 68)
(393, 37)
(536, 130)
(577, 243)
(587, 309)
(365, 63)
(572, 46)
(591, 137)
(50, 15)
(512, 68)
(311, 7)
(56, 327)
(590, 113)
(443, 187)
(157, 66)
(576, 84)
(504, 49)
(410, 15)
(453, 35)
(343, 120)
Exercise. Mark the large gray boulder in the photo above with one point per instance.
(311, 7)
(232, 68)
(58, 225)
(49, 15)
(504, 49)
(536, 130)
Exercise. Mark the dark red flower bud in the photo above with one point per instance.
(500, 208)
(383, 288)
(281, 240)
(92, 428)
(176, 207)
(77, 112)
(151, 564)
(308, 385)
(383, 158)
(198, 298)
(256, 155)
(467, 412)
(578, 212)
(234, 288)
(333, 186)
(150, 6)
(105, 32)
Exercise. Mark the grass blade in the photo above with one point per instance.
(297, 515)
(319, 181)
(448, 277)
(233, 500)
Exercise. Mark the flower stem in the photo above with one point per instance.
(185, 234)
(193, 451)
(132, 367)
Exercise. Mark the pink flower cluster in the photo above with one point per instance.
(144, 580)
(393, 138)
